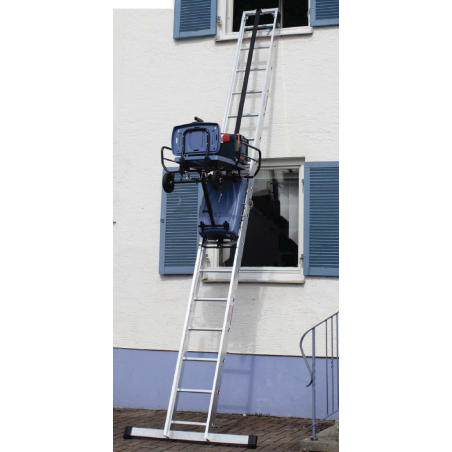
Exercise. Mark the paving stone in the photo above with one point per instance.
(274, 433)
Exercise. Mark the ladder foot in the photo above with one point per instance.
(128, 433)
(248, 441)
(252, 442)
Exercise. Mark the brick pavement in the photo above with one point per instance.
(274, 433)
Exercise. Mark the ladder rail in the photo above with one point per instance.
(228, 317)
(240, 38)
(233, 78)
(247, 69)
(184, 341)
(265, 92)
(233, 286)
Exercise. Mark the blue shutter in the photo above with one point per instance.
(324, 12)
(179, 229)
(321, 219)
(195, 18)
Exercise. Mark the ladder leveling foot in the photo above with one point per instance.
(249, 441)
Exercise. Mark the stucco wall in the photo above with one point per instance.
(160, 83)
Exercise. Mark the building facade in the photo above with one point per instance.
(166, 71)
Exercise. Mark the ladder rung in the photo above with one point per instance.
(257, 91)
(210, 299)
(264, 12)
(204, 328)
(189, 423)
(260, 27)
(197, 391)
(255, 47)
(210, 360)
(216, 270)
(258, 68)
(219, 247)
(244, 115)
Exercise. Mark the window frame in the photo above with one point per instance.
(288, 275)
(224, 27)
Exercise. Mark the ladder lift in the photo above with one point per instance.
(249, 441)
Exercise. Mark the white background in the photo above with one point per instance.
(56, 254)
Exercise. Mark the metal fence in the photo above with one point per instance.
(329, 328)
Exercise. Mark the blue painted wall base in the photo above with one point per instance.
(274, 385)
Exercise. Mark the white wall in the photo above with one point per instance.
(160, 83)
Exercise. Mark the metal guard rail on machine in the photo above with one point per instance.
(226, 173)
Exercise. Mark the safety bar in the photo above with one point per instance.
(207, 168)
(250, 158)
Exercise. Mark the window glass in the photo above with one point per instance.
(272, 235)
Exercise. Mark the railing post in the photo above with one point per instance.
(326, 364)
(332, 366)
(313, 385)
(337, 357)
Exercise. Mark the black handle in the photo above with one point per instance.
(163, 158)
(258, 161)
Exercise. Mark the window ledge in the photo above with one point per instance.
(260, 276)
(284, 32)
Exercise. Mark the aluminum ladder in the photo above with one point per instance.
(269, 33)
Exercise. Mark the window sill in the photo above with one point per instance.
(284, 32)
(260, 276)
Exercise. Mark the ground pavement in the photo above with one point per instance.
(274, 433)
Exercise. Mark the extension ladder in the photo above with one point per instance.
(246, 32)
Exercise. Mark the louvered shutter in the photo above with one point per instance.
(324, 12)
(179, 229)
(195, 18)
(321, 219)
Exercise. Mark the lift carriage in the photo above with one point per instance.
(222, 162)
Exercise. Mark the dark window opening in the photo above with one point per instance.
(272, 234)
(294, 12)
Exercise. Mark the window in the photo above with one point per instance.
(294, 16)
(294, 13)
(199, 18)
(293, 229)
(274, 239)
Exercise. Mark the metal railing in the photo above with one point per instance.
(331, 326)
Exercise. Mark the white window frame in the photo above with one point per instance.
(288, 275)
(224, 27)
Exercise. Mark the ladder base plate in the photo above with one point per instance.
(250, 441)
